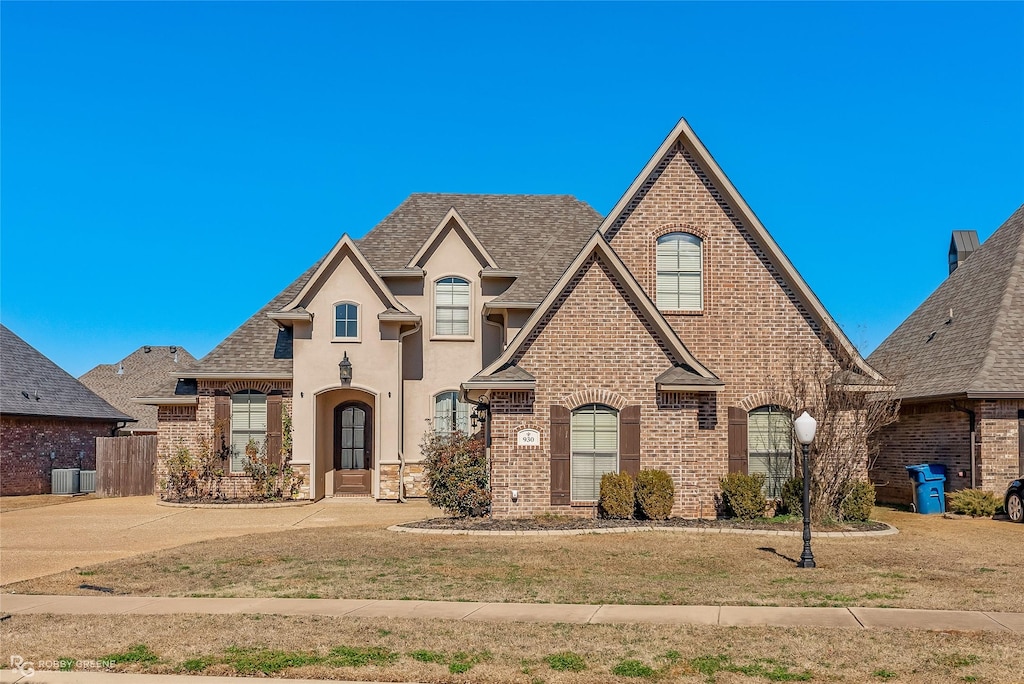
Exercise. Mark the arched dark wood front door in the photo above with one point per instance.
(353, 448)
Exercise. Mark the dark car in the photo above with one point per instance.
(1014, 502)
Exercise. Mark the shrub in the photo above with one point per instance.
(743, 496)
(456, 472)
(793, 496)
(617, 499)
(858, 501)
(973, 502)
(654, 494)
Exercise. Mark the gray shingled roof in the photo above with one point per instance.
(535, 235)
(980, 349)
(258, 345)
(142, 372)
(33, 385)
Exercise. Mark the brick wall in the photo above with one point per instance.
(752, 333)
(31, 447)
(186, 426)
(936, 433)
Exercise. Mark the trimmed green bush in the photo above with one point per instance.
(617, 499)
(654, 494)
(858, 501)
(743, 495)
(973, 502)
(793, 496)
(456, 471)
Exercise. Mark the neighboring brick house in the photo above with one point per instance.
(47, 419)
(958, 361)
(134, 375)
(655, 337)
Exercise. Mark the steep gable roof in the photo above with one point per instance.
(682, 133)
(33, 385)
(453, 218)
(345, 246)
(532, 235)
(685, 372)
(967, 337)
(136, 374)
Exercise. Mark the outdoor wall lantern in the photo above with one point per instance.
(345, 370)
(805, 427)
(479, 415)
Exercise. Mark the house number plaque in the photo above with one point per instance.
(528, 438)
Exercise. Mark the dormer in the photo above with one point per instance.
(962, 245)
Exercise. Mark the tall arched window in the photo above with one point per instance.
(595, 449)
(450, 414)
(680, 265)
(770, 447)
(451, 306)
(248, 422)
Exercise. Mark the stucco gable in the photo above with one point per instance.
(598, 254)
(717, 194)
(452, 222)
(344, 249)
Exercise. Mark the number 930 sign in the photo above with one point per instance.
(528, 438)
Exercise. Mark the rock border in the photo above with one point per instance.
(267, 504)
(643, 528)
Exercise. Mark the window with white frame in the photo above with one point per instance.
(595, 449)
(770, 447)
(680, 272)
(450, 414)
(451, 307)
(346, 321)
(248, 422)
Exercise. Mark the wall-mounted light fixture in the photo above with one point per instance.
(345, 371)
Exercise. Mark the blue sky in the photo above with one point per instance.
(167, 168)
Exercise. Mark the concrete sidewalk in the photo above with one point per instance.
(742, 616)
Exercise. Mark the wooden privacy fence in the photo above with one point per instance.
(125, 466)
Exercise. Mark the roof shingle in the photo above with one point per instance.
(967, 337)
(33, 385)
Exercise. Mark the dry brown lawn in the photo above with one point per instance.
(933, 563)
(516, 652)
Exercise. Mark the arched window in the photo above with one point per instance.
(450, 414)
(770, 447)
(248, 422)
(680, 266)
(451, 307)
(595, 449)
(346, 321)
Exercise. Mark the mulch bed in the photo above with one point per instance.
(559, 523)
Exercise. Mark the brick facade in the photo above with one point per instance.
(935, 432)
(187, 426)
(31, 447)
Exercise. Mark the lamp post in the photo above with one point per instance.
(805, 427)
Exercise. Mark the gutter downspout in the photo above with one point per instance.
(401, 412)
(973, 429)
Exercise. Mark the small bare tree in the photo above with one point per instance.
(849, 407)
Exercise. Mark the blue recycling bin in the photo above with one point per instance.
(929, 487)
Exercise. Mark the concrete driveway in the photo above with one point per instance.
(41, 541)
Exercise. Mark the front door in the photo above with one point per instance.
(353, 448)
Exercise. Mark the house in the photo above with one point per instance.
(132, 376)
(958, 361)
(654, 337)
(48, 419)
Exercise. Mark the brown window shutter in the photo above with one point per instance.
(221, 423)
(274, 430)
(629, 440)
(737, 440)
(561, 452)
